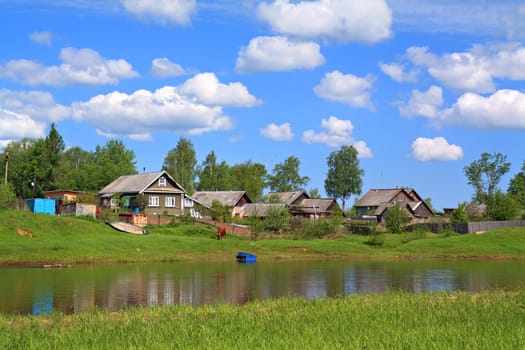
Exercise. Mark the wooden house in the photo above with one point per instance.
(314, 208)
(377, 201)
(232, 200)
(288, 198)
(152, 193)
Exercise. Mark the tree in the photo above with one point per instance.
(213, 176)
(285, 176)
(249, 177)
(396, 218)
(7, 196)
(54, 147)
(314, 193)
(517, 187)
(277, 218)
(76, 171)
(485, 174)
(460, 214)
(344, 174)
(180, 163)
(111, 161)
(501, 206)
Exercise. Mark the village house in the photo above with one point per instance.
(377, 201)
(233, 200)
(153, 193)
(300, 204)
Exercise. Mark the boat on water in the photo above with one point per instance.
(127, 227)
(246, 258)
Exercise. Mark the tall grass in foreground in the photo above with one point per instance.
(492, 320)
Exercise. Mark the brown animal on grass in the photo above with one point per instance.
(221, 233)
(23, 232)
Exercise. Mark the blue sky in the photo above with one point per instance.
(420, 88)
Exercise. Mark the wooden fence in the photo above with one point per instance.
(471, 227)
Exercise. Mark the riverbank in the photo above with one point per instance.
(70, 240)
(489, 320)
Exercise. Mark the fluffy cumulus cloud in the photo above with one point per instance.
(425, 104)
(438, 148)
(142, 112)
(505, 109)
(474, 70)
(278, 53)
(164, 68)
(276, 132)
(163, 11)
(335, 133)
(346, 88)
(397, 72)
(16, 126)
(43, 38)
(38, 105)
(205, 88)
(344, 20)
(82, 67)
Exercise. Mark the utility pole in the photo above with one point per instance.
(6, 165)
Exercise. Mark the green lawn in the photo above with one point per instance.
(71, 240)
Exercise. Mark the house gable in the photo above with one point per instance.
(229, 199)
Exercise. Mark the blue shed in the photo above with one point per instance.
(41, 205)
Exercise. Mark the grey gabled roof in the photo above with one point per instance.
(376, 197)
(316, 205)
(227, 198)
(136, 183)
(287, 198)
(260, 209)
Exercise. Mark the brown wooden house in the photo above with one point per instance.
(377, 201)
(152, 193)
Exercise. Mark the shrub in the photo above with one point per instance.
(396, 218)
(7, 196)
(376, 237)
(277, 219)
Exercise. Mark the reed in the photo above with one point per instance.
(394, 320)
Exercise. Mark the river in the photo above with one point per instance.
(76, 289)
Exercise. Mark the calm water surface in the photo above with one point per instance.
(35, 291)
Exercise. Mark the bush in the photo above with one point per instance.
(301, 228)
(277, 219)
(396, 218)
(7, 196)
(376, 237)
(501, 207)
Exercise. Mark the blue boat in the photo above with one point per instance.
(246, 258)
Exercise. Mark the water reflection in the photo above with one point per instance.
(36, 291)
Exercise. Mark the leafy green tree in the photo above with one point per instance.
(219, 211)
(180, 163)
(7, 196)
(517, 187)
(76, 171)
(344, 174)
(460, 215)
(111, 161)
(285, 176)
(277, 219)
(501, 206)
(249, 177)
(485, 174)
(314, 193)
(213, 176)
(18, 161)
(396, 218)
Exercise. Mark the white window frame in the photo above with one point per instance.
(188, 202)
(114, 202)
(153, 201)
(162, 181)
(169, 202)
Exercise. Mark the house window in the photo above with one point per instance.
(114, 202)
(162, 181)
(188, 202)
(153, 201)
(169, 202)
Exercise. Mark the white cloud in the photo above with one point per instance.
(205, 88)
(397, 72)
(38, 105)
(337, 132)
(425, 104)
(515, 23)
(43, 38)
(344, 20)
(143, 112)
(276, 132)
(164, 68)
(278, 54)
(163, 11)
(438, 148)
(473, 70)
(16, 126)
(346, 88)
(505, 109)
(83, 67)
